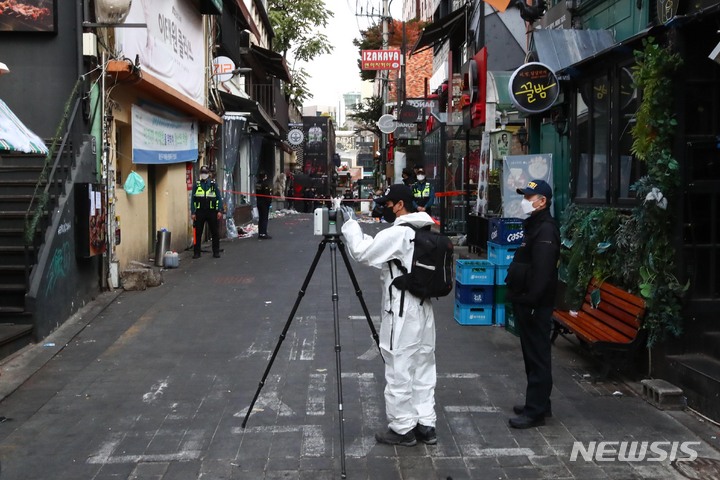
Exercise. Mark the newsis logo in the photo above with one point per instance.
(634, 451)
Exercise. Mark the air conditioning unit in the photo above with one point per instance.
(245, 40)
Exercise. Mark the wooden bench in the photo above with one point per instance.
(610, 328)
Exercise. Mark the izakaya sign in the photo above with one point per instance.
(159, 138)
(380, 59)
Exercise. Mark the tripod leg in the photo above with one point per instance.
(359, 294)
(301, 294)
(338, 348)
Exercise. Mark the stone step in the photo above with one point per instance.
(14, 337)
(699, 375)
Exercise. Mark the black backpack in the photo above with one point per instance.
(432, 273)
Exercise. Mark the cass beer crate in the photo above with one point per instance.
(500, 274)
(505, 231)
(473, 314)
(474, 294)
(501, 254)
(474, 272)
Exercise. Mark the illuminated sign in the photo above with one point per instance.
(533, 87)
(380, 59)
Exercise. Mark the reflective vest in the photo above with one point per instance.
(205, 199)
(422, 196)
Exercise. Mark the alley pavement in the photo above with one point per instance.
(156, 384)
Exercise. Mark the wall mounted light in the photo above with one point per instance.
(4, 69)
(560, 122)
(522, 136)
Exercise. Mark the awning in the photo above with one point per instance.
(253, 109)
(273, 63)
(560, 48)
(497, 90)
(440, 30)
(15, 136)
(159, 91)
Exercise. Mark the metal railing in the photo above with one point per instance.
(264, 95)
(51, 182)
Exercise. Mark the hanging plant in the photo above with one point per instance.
(634, 249)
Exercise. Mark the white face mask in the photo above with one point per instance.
(527, 206)
(421, 177)
(204, 176)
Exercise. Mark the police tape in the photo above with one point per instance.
(280, 197)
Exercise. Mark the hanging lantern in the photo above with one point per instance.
(112, 11)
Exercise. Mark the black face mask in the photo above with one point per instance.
(388, 214)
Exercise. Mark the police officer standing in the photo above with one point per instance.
(263, 194)
(423, 192)
(207, 206)
(531, 284)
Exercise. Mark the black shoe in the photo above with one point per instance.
(425, 434)
(216, 255)
(264, 236)
(520, 409)
(197, 255)
(392, 438)
(526, 422)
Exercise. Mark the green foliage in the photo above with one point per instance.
(638, 252)
(295, 24)
(367, 114)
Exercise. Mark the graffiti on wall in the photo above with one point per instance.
(59, 266)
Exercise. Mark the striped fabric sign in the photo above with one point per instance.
(16, 137)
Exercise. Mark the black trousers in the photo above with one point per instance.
(210, 216)
(534, 326)
(263, 206)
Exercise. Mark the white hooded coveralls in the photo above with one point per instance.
(407, 343)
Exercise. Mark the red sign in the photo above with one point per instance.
(474, 86)
(380, 59)
(189, 175)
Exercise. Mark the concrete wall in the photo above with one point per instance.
(168, 192)
(43, 70)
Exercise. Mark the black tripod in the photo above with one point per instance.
(335, 244)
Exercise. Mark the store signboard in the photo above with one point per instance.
(380, 59)
(171, 48)
(533, 87)
(159, 138)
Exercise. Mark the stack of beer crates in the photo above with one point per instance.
(474, 292)
(504, 237)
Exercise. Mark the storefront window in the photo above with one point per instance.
(605, 169)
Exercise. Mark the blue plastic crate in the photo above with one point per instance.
(473, 314)
(505, 231)
(501, 254)
(474, 272)
(474, 294)
(500, 274)
(500, 313)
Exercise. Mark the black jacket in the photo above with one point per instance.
(532, 275)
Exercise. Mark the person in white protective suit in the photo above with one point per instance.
(407, 336)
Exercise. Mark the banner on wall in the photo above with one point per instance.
(171, 48)
(483, 173)
(162, 139)
(518, 170)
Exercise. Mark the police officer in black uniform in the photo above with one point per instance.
(263, 192)
(207, 206)
(531, 284)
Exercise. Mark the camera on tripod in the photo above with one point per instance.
(327, 221)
